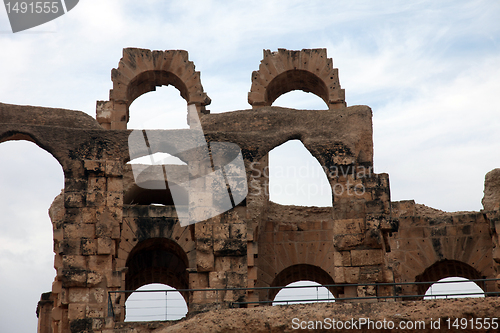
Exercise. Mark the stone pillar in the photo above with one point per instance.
(44, 313)
(85, 244)
(361, 216)
(221, 260)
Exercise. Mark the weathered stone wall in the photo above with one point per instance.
(109, 237)
(491, 204)
(431, 245)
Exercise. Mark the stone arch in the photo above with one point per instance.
(421, 242)
(309, 70)
(157, 260)
(301, 272)
(142, 223)
(282, 245)
(26, 136)
(140, 71)
(444, 269)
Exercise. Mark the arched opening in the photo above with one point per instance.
(300, 100)
(446, 269)
(155, 302)
(153, 188)
(164, 108)
(30, 179)
(149, 196)
(453, 287)
(296, 177)
(157, 260)
(296, 79)
(303, 274)
(303, 292)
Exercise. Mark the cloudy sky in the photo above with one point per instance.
(429, 70)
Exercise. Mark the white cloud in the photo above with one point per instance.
(443, 141)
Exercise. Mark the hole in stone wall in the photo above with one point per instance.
(30, 179)
(160, 109)
(462, 288)
(296, 177)
(315, 294)
(154, 191)
(158, 305)
(158, 159)
(300, 100)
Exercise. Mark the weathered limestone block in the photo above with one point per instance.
(96, 183)
(108, 224)
(73, 277)
(89, 246)
(79, 295)
(114, 199)
(105, 245)
(204, 261)
(348, 242)
(74, 199)
(70, 246)
(231, 264)
(198, 280)
(96, 199)
(79, 230)
(491, 198)
(349, 226)
(339, 275)
(56, 210)
(76, 311)
(74, 262)
(100, 262)
(351, 274)
(230, 247)
(94, 278)
(113, 169)
(96, 311)
(217, 279)
(96, 167)
(367, 257)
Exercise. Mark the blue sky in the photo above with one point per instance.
(429, 70)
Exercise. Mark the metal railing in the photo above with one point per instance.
(381, 292)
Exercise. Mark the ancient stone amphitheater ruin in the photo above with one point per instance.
(109, 237)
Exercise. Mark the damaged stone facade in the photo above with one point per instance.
(108, 235)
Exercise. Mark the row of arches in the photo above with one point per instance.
(294, 178)
(299, 284)
(291, 179)
(155, 261)
(163, 261)
(160, 264)
(141, 71)
(165, 108)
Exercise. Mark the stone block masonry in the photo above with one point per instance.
(110, 234)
